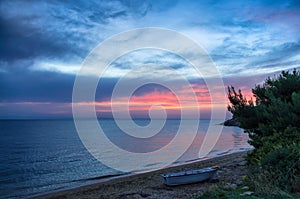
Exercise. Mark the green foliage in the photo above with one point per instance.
(260, 182)
(273, 125)
(274, 119)
(242, 109)
(284, 166)
(238, 102)
(278, 173)
(223, 193)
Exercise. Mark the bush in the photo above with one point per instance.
(273, 126)
(278, 174)
(284, 167)
(276, 140)
(260, 181)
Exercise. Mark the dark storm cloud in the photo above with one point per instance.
(22, 37)
(43, 86)
(36, 87)
(34, 29)
(26, 43)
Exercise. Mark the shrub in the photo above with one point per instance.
(284, 166)
(273, 126)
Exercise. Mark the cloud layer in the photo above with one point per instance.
(43, 43)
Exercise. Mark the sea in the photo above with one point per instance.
(44, 156)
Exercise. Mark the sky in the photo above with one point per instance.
(44, 43)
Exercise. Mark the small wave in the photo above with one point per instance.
(100, 177)
(223, 153)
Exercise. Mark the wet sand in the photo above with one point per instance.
(150, 185)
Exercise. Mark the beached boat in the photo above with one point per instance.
(187, 177)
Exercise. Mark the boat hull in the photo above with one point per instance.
(189, 177)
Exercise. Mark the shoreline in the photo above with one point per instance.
(150, 184)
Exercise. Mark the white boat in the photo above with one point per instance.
(187, 177)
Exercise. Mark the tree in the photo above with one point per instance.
(277, 107)
(242, 109)
(272, 122)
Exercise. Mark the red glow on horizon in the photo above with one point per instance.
(196, 97)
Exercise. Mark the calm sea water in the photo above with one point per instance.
(40, 156)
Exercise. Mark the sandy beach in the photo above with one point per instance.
(150, 185)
